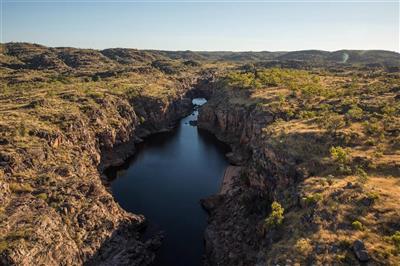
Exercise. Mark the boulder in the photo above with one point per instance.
(360, 251)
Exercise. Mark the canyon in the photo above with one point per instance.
(68, 115)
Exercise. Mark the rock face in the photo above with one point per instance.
(234, 235)
(68, 216)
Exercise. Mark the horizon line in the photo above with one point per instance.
(210, 51)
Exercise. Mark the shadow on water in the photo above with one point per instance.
(165, 180)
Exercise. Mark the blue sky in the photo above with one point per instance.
(196, 25)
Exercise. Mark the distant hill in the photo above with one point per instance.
(35, 56)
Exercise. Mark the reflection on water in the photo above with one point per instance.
(165, 180)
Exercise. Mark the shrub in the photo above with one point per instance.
(373, 196)
(22, 130)
(312, 198)
(362, 176)
(329, 179)
(373, 127)
(303, 246)
(20, 188)
(355, 113)
(312, 90)
(340, 155)
(275, 218)
(389, 110)
(3, 245)
(357, 225)
(332, 122)
(396, 240)
(307, 114)
(42, 196)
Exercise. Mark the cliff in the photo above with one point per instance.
(331, 208)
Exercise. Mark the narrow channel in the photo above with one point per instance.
(165, 180)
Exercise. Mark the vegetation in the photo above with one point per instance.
(20, 188)
(396, 240)
(275, 218)
(357, 225)
(337, 132)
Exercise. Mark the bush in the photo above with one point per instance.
(42, 196)
(312, 198)
(355, 113)
(22, 130)
(357, 225)
(329, 179)
(3, 245)
(312, 90)
(373, 127)
(362, 176)
(389, 110)
(275, 218)
(373, 196)
(307, 114)
(332, 122)
(396, 240)
(340, 155)
(20, 188)
(303, 246)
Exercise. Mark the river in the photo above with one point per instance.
(165, 180)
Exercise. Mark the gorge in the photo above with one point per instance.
(94, 162)
(165, 180)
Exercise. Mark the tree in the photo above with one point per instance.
(275, 218)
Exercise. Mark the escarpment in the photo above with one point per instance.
(294, 200)
(59, 210)
(229, 239)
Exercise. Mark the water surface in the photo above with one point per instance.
(165, 180)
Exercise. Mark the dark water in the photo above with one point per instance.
(165, 180)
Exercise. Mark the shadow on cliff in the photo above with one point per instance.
(125, 247)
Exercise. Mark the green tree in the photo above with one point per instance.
(275, 218)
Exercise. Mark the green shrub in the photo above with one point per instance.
(275, 218)
(357, 225)
(312, 90)
(355, 113)
(373, 127)
(312, 198)
(340, 155)
(332, 122)
(396, 240)
(362, 176)
(373, 196)
(307, 114)
(389, 110)
(303, 246)
(42, 196)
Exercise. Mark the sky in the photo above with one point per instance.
(206, 25)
